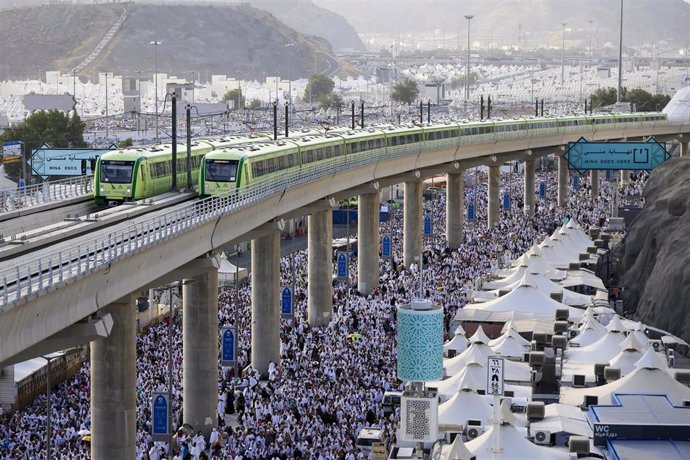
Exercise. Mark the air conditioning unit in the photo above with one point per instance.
(560, 327)
(542, 437)
(419, 416)
(686, 403)
(473, 432)
(559, 342)
(535, 410)
(658, 345)
(579, 381)
(611, 374)
(537, 359)
(562, 314)
(578, 445)
(683, 377)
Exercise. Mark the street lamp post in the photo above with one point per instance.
(467, 73)
(563, 24)
(290, 45)
(155, 44)
(620, 60)
(591, 52)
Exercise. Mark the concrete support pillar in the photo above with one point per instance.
(265, 301)
(113, 386)
(563, 176)
(368, 243)
(320, 276)
(594, 176)
(625, 177)
(528, 199)
(412, 222)
(684, 145)
(200, 347)
(455, 208)
(493, 208)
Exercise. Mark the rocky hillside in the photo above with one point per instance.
(656, 253)
(308, 18)
(236, 40)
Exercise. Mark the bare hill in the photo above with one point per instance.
(235, 40)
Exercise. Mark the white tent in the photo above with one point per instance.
(563, 418)
(477, 352)
(228, 271)
(590, 331)
(649, 377)
(459, 342)
(526, 298)
(510, 348)
(631, 352)
(510, 331)
(601, 351)
(465, 405)
(512, 444)
(542, 283)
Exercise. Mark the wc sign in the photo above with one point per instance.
(494, 381)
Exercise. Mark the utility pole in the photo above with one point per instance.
(563, 24)
(619, 95)
(155, 44)
(467, 73)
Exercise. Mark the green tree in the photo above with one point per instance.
(126, 143)
(331, 100)
(254, 104)
(646, 102)
(604, 96)
(236, 96)
(53, 127)
(459, 81)
(405, 92)
(319, 85)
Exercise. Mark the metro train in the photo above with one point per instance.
(223, 164)
(233, 167)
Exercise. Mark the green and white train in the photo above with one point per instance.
(225, 169)
(142, 172)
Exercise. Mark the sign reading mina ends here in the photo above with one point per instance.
(583, 155)
(611, 432)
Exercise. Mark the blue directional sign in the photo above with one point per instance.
(286, 303)
(470, 212)
(428, 228)
(47, 161)
(342, 266)
(228, 346)
(386, 246)
(542, 189)
(576, 182)
(506, 200)
(583, 155)
(160, 410)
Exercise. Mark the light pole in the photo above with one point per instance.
(289, 45)
(591, 51)
(467, 73)
(155, 44)
(619, 97)
(563, 24)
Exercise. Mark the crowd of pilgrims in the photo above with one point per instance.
(331, 380)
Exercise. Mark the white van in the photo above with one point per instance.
(367, 437)
(391, 400)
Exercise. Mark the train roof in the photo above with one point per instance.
(154, 151)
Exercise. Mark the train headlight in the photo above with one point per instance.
(129, 190)
(102, 189)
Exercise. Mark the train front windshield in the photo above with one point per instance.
(221, 170)
(116, 172)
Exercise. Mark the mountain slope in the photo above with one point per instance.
(233, 40)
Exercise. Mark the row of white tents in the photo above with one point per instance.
(527, 297)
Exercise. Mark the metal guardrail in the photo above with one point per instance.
(50, 271)
(46, 192)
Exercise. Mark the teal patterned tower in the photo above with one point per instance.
(420, 341)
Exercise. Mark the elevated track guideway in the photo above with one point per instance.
(52, 287)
